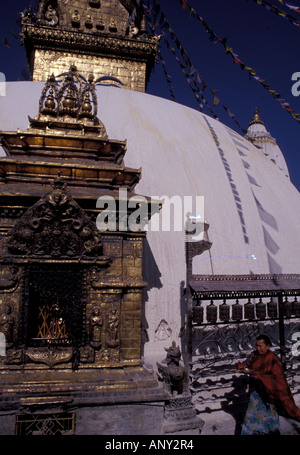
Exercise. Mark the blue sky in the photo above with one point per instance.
(262, 40)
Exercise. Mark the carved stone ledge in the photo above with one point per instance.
(117, 282)
(180, 415)
(31, 402)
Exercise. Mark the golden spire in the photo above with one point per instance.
(256, 118)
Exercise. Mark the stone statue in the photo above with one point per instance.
(174, 374)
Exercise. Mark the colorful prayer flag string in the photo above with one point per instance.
(236, 60)
(294, 8)
(193, 77)
(163, 63)
(273, 8)
(161, 20)
(6, 42)
(168, 77)
(25, 74)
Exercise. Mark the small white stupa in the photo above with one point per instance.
(262, 139)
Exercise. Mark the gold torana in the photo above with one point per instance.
(107, 38)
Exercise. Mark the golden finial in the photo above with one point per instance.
(50, 103)
(69, 101)
(256, 118)
(86, 109)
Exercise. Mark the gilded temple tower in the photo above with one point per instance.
(103, 37)
(72, 292)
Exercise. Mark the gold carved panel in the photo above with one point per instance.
(132, 74)
(103, 326)
(108, 16)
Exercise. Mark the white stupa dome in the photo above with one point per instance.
(252, 208)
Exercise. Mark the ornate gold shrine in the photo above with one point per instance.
(70, 296)
(107, 37)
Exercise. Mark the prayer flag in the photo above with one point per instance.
(6, 42)
(14, 33)
(294, 8)
(25, 74)
(184, 5)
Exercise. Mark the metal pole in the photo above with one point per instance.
(281, 330)
(189, 324)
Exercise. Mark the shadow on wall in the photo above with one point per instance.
(183, 331)
(152, 277)
(266, 217)
(232, 184)
(182, 308)
(271, 245)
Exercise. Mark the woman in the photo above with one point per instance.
(269, 391)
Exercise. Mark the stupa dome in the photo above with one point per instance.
(251, 207)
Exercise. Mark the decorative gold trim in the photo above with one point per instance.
(46, 37)
(50, 357)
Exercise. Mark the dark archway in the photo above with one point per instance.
(55, 306)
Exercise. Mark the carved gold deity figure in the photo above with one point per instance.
(57, 326)
(51, 16)
(76, 17)
(52, 325)
(89, 21)
(96, 322)
(112, 329)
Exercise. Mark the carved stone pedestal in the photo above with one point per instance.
(180, 416)
(97, 401)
